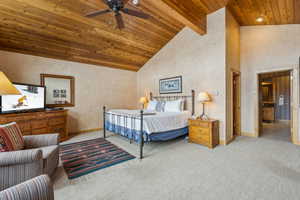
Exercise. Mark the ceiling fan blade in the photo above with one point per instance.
(99, 12)
(135, 13)
(120, 21)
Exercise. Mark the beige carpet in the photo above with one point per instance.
(249, 168)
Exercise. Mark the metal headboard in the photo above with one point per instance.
(176, 97)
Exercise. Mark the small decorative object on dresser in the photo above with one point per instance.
(205, 132)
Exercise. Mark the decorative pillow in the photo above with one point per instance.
(173, 106)
(152, 105)
(160, 107)
(11, 138)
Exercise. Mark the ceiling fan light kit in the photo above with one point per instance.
(118, 7)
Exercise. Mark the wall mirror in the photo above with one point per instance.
(60, 90)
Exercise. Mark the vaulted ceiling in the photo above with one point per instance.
(58, 29)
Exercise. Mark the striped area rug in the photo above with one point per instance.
(85, 157)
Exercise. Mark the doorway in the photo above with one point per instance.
(236, 106)
(275, 92)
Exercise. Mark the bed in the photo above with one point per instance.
(143, 126)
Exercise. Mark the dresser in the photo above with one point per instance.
(35, 123)
(204, 132)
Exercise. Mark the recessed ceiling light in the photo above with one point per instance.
(135, 2)
(260, 19)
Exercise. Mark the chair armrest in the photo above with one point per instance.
(36, 141)
(37, 188)
(20, 157)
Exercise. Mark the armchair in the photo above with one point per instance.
(38, 188)
(40, 156)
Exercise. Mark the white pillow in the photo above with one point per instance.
(152, 105)
(173, 106)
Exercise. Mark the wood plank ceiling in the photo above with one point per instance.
(58, 29)
(273, 12)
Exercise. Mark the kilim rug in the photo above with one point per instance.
(85, 157)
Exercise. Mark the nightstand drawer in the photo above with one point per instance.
(195, 130)
(204, 132)
(200, 138)
(199, 123)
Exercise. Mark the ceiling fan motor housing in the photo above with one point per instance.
(115, 5)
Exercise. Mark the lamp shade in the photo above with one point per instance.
(204, 97)
(6, 87)
(143, 100)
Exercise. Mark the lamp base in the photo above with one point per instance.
(203, 117)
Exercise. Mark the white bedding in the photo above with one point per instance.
(160, 122)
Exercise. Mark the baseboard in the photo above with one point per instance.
(296, 142)
(248, 134)
(226, 142)
(85, 131)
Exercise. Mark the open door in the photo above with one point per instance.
(274, 103)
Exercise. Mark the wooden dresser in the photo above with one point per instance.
(34, 123)
(204, 132)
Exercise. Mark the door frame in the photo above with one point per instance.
(293, 98)
(233, 74)
(229, 107)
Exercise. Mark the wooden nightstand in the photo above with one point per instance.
(204, 132)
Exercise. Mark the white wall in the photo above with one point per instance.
(95, 86)
(201, 62)
(263, 49)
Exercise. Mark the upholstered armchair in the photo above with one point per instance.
(39, 188)
(40, 156)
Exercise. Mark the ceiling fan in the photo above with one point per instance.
(118, 7)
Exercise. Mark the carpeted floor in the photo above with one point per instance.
(267, 168)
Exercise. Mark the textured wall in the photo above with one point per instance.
(95, 86)
(264, 49)
(201, 62)
(232, 64)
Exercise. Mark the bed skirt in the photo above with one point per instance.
(135, 135)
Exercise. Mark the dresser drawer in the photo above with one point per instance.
(57, 121)
(25, 126)
(57, 129)
(14, 119)
(38, 124)
(40, 131)
(26, 133)
(199, 123)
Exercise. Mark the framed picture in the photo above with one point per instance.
(60, 90)
(170, 85)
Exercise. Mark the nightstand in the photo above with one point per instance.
(205, 132)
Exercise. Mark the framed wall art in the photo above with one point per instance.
(170, 85)
(60, 90)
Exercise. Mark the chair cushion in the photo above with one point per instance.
(11, 138)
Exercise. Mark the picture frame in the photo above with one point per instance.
(171, 85)
(60, 90)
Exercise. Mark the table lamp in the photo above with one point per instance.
(203, 98)
(6, 87)
(143, 101)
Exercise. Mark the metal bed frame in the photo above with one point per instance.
(117, 117)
